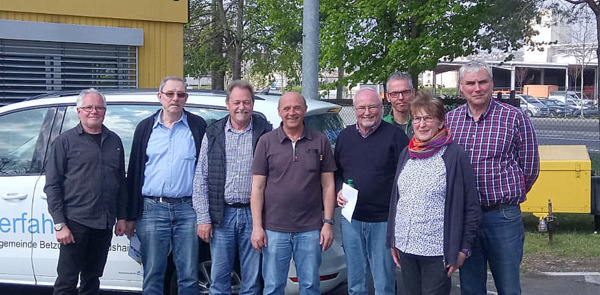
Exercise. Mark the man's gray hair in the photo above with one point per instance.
(370, 91)
(399, 76)
(239, 84)
(474, 66)
(169, 78)
(85, 92)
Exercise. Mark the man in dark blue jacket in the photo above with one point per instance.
(222, 187)
(368, 153)
(159, 180)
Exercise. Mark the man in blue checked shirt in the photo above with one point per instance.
(503, 149)
(222, 187)
(159, 181)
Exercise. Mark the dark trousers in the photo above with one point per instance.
(426, 275)
(84, 259)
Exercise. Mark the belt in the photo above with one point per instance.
(238, 205)
(169, 200)
(494, 207)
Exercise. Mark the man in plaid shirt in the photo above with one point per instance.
(503, 149)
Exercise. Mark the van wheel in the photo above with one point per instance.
(204, 280)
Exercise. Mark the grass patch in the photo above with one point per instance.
(565, 245)
(595, 159)
(574, 247)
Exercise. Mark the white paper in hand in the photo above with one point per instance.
(351, 194)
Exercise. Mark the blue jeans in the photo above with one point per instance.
(306, 251)
(364, 245)
(160, 227)
(499, 242)
(233, 234)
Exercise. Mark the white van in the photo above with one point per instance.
(28, 247)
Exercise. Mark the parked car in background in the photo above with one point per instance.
(579, 109)
(28, 247)
(556, 107)
(562, 95)
(530, 105)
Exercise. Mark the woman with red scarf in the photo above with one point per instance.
(434, 212)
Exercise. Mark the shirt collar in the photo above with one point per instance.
(281, 134)
(80, 129)
(158, 119)
(229, 127)
(492, 104)
(369, 131)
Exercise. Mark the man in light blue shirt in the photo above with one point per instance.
(160, 179)
(222, 188)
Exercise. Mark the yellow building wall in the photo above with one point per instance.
(150, 10)
(162, 52)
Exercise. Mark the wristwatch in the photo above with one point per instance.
(330, 221)
(59, 226)
(467, 252)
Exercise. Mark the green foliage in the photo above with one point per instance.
(377, 37)
(200, 56)
(280, 47)
(595, 159)
(574, 238)
(367, 38)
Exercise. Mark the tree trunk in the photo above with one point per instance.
(236, 61)
(217, 75)
(339, 94)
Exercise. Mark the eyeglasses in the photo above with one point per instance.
(404, 93)
(427, 119)
(363, 109)
(172, 94)
(89, 109)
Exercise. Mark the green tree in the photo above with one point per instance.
(594, 5)
(377, 37)
(217, 38)
(366, 39)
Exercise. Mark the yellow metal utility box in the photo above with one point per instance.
(565, 178)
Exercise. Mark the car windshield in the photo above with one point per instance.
(330, 124)
(552, 102)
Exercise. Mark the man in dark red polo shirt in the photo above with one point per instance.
(292, 198)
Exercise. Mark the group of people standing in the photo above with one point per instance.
(442, 198)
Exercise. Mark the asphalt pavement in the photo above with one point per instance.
(531, 284)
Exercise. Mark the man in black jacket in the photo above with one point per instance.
(85, 185)
(159, 180)
(222, 188)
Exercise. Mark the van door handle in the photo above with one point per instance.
(14, 196)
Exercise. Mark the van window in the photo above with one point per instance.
(123, 118)
(330, 124)
(19, 135)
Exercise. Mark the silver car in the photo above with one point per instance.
(26, 130)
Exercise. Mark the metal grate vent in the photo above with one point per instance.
(29, 68)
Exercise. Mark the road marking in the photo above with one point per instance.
(558, 274)
(595, 279)
(590, 277)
